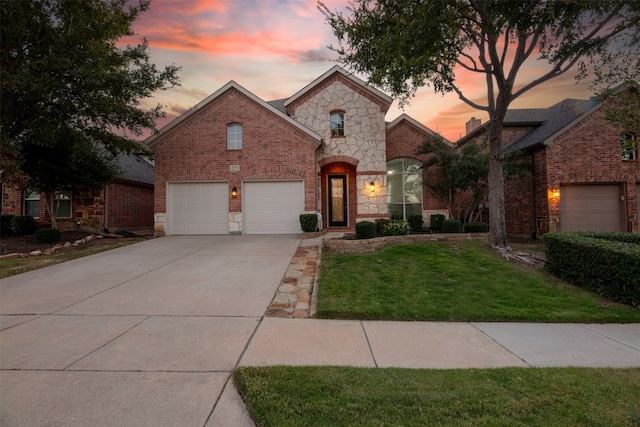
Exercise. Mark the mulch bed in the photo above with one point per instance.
(26, 244)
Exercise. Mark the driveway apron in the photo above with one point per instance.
(147, 334)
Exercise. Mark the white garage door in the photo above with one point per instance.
(590, 208)
(273, 207)
(198, 208)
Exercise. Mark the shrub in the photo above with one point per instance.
(476, 227)
(48, 235)
(397, 217)
(452, 226)
(602, 265)
(365, 230)
(5, 225)
(309, 222)
(23, 225)
(380, 224)
(435, 222)
(396, 228)
(415, 221)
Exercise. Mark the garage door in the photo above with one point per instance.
(198, 208)
(273, 207)
(590, 208)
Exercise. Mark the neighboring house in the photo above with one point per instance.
(237, 164)
(585, 178)
(126, 202)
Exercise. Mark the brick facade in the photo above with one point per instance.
(129, 205)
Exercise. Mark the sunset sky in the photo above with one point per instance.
(274, 48)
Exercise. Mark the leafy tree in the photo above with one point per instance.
(403, 45)
(71, 96)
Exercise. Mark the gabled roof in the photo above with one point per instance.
(416, 124)
(134, 168)
(153, 139)
(558, 118)
(380, 96)
(548, 123)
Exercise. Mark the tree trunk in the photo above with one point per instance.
(497, 224)
(52, 208)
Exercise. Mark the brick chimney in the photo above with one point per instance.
(473, 124)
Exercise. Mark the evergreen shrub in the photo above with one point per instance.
(365, 230)
(415, 221)
(23, 225)
(5, 225)
(452, 226)
(435, 222)
(309, 222)
(601, 264)
(47, 235)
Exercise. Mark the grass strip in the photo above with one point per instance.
(453, 281)
(345, 396)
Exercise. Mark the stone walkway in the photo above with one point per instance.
(294, 295)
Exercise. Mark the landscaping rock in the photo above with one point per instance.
(35, 253)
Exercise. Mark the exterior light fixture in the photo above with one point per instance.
(234, 192)
(372, 186)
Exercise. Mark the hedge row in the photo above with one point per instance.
(599, 262)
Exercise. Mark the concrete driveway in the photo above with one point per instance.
(146, 334)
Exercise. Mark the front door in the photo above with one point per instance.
(337, 200)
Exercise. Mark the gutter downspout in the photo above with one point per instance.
(534, 221)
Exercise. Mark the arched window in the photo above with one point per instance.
(404, 187)
(337, 123)
(234, 136)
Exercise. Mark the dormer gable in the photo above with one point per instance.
(338, 74)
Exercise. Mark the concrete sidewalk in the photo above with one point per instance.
(441, 345)
(149, 335)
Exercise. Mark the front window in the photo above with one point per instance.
(337, 123)
(32, 203)
(234, 136)
(404, 187)
(62, 199)
(628, 146)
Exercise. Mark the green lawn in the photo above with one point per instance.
(456, 281)
(332, 396)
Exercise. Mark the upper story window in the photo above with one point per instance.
(234, 136)
(337, 123)
(32, 203)
(628, 146)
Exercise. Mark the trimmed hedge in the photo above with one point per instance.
(5, 225)
(23, 225)
(309, 222)
(452, 226)
(599, 262)
(435, 222)
(415, 221)
(365, 230)
(48, 235)
(476, 227)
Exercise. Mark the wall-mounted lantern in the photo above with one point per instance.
(372, 187)
(234, 192)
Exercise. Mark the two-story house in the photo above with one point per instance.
(235, 163)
